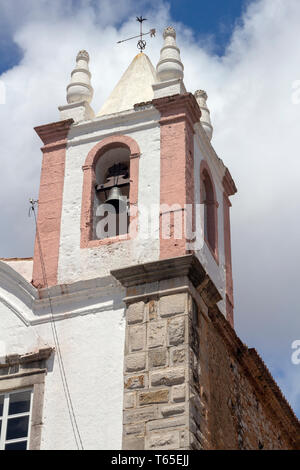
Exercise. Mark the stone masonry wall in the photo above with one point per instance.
(240, 411)
(189, 382)
(157, 374)
(187, 386)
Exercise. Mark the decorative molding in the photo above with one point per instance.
(16, 375)
(54, 132)
(16, 311)
(187, 102)
(42, 354)
(228, 183)
(61, 297)
(187, 265)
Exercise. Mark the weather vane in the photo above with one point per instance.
(141, 43)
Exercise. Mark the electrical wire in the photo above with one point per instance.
(73, 419)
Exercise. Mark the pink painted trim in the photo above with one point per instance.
(54, 137)
(89, 182)
(179, 113)
(212, 213)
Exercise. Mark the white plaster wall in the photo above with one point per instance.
(216, 271)
(93, 353)
(76, 263)
(92, 347)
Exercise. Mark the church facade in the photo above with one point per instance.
(119, 332)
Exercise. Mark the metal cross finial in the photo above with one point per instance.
(141, 43)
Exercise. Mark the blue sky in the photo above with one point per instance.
(10, 53)
(215, 20)
(243, 54)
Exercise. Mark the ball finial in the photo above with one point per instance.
(169, 31)
(83, 55)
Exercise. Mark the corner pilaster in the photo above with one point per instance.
(54, 137)
(163, 406)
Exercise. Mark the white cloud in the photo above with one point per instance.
(256, 134)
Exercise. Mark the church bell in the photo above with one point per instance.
(117, 200)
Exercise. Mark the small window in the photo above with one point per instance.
(15, 418)
(210, 211)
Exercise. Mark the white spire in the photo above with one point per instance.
(205, 120)
(169, 68)
(135, 86)
(79, 92)
(80, 88)
(169, 65)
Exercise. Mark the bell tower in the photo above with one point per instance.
(134, 222)
(137, 195)
(129, 321)
(148, 155)
(147, 152)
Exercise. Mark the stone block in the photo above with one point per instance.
(184, 440)
(168, 377)
(140, 415)
(135, 362)
(156, 334)
(158, 396)
(135, 382)
(176, 331)
(129, 400)
(178, 356)
(134, 429)
(179, 393)
(135, 313)
(172, 305)
(137, 338)
(163, 441)
(166, 423)
(133, 443)
(157, 358)
(172, 410)
(152, 310)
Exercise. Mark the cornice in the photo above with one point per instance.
(112, 125)
(54, 132)
(16, 359)
(175, 104)
(110, 120)
(156, 271)
(228, 183)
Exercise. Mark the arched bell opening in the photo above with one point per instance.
(210, 217)
(111, 211)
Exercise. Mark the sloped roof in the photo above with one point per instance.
(134, 87)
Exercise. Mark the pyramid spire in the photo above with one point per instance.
(134, 87)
